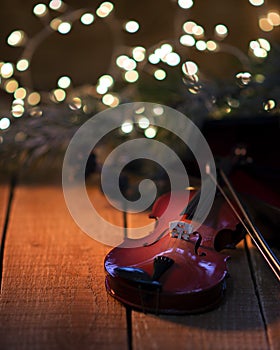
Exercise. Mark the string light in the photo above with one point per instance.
(40, 10)
(108, 99)
(143, 122)
(129, 61)
(58, 95)
(127, 127)
(11, 86)
(158, 110)
(185, 4)
(274, 18)
(256, 2)
(4, 123)
(55, 4)
(190, 68)
(131, 76)
(16, 38)
(22, 65)
(187, 40)
(105, 9)
(160, 74)
(75, 104)
(154, 59)
(201, 45)
(87, 18)
(139, 53)
(64, 27)
(64, 82)
(106, 80)
(188, 27)
(221, 30)
(33, 98)
(7, 70)
(150, 132)
(20, 93)
(132, 26)
(172, 59)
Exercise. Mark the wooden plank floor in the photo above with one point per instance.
(53, 294)
(249, 317)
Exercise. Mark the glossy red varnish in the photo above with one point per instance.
(196, 279)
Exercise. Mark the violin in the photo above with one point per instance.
(184, 269)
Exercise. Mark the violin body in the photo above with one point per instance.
(194, 282)
(180, 272)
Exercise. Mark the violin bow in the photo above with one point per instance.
(252, 231)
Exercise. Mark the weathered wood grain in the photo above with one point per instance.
(53, 294)
(267, 288)
(236, 324)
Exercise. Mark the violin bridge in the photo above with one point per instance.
(180, 229)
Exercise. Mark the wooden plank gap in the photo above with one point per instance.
(129, 327)
(12, 186)
(256, 289)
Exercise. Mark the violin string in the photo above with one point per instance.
(264, 250)
(191, 208)
(172, 245)
(192, 205)
(189, 212)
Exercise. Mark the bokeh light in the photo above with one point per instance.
(190, 68)
(105, 9)
(274, 18)
(16, 38)
(11, 86)
(150, 132)
(87, 18)
(265, 24)
(160, 74)
(221, 30)
(58, 95)
(143, 122)
(33, 98)
(55, 4)
(7, 70)
(256, 2)
(4, 123)
(40, 10)
(22, 65)
(187, 40)
(20, 93)
(127, 127)
(64, 27)
(132, 26)
(185, 4)
(131, 76)
(64, 82)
